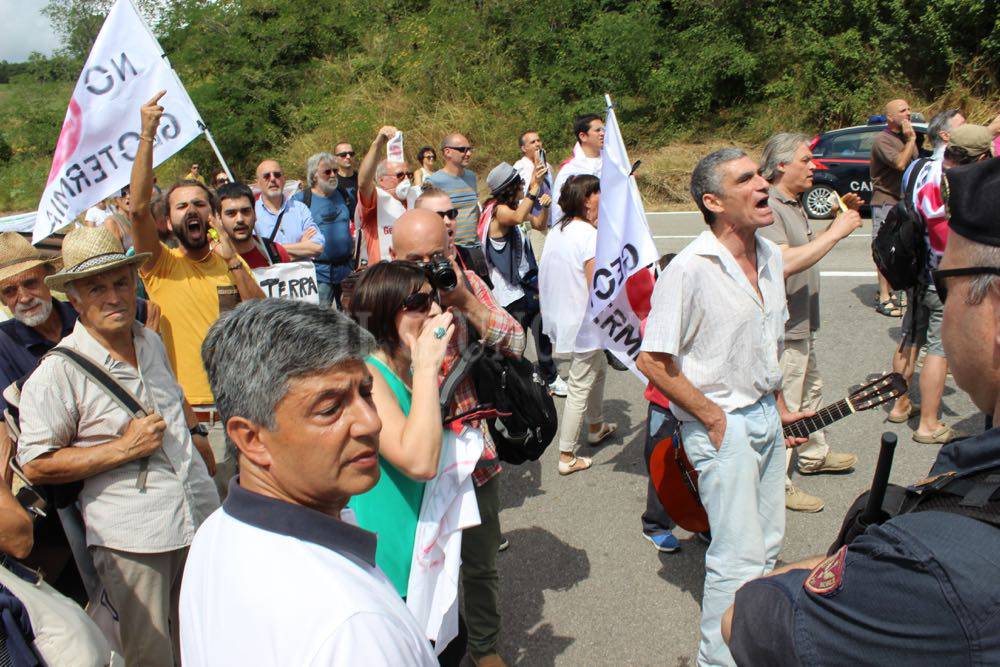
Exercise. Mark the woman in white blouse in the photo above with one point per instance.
(565, 275)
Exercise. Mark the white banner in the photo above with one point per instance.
(624, 246)
(289, 280)
(100, 135)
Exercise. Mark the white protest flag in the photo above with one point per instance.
(624, 248)
(100, 135)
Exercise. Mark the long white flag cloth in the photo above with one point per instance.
(449, 506)
(624, 248)
(100, 135)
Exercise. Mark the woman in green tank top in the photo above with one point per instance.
(397, 305)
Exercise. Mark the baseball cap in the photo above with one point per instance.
(500, 177)
(973, 139)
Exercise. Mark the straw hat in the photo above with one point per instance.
(88, 251)
(17, 255)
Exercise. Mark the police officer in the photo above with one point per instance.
(920, 588)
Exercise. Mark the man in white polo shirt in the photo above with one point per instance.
(711, 346)
(281, 575)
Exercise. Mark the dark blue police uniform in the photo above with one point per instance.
(923, 588)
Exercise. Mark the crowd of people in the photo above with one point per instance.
(250, 480)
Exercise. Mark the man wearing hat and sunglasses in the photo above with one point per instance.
(145, 490)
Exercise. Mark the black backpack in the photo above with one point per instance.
(900, 249)
(514, 388)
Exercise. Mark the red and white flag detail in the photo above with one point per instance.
(94, 154)
(623, 283)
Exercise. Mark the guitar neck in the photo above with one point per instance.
(823, 418)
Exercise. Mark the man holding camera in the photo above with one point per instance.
(420, 236)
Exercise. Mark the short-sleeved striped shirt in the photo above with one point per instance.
(462, 190)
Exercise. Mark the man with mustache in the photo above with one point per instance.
(236, 212)
(283, 219)
(330, 207)
(192, 284)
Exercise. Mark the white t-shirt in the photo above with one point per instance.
(563, 289)
(96, 216)
(505, 292)
(580, 164)
(707, 314)
(268, 583)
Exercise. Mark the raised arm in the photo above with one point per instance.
(141, 187)
(366, 172)
(242, 278)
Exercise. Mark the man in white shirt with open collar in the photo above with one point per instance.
(145, 488)
(282, 575)
(711, 346)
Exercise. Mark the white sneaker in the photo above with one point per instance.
(558, 387)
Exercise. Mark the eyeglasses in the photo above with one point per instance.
(400, 174)
(345, 154)
(222, 180)
(462, 149)
(428, 156)
(268, 174)
(451, 213)
(941, 285)
(326, 172)
(420, 302)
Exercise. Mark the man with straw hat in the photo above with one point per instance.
(72, 429)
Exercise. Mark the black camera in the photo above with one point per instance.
(440, 273)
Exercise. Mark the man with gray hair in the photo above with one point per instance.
(306, 433)
(787, 165)
(383, 196)
(725, 385)
(331, 211)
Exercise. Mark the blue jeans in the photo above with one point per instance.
(742, 485)
(660, 423)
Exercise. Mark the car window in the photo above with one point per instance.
(851, 144)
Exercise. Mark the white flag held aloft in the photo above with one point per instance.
(100, 135)
(624, 246)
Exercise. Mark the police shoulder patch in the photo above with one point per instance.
(827, 577)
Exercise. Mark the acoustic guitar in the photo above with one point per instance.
(676, 480)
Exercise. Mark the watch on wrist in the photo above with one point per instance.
(235, 267)
(199, 429)
(533, 197)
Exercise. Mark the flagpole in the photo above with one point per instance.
(218, 153)
(607, 100)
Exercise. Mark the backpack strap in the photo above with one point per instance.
(272, 251)
(307, 197)
(458, 372)
(122, 396)
(277, 225)
(976, 496)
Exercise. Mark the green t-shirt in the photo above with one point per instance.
(392, 507)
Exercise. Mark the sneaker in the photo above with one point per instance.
(798, 500)
(834, 462)
(558, 387)
(504, 544)
(664, 541)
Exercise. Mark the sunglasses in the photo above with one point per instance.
(268, 174)
(941, 285)
(345, 154)
(420, 302)
(221, 181)
(430, 156)
(400, 174)
(462, 149)
(326, 172)
(451, 213)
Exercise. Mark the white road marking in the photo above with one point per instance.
(694, 236)
(847, 274)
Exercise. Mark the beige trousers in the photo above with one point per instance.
(144, 589)
(585, 397)
(803, 390)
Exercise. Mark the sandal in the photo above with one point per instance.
(900, 298)
(570, 467)
(896, 419)
(606, 430)
(888, 308)
(942, 436)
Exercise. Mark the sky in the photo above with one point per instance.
(23, 29)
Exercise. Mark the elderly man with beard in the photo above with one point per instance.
(330, 207)
(383, 189)
(192, 284)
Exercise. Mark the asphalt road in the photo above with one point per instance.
(580, 585)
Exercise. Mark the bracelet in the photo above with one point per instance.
(143, 137)
(533, 197)
(235, 267)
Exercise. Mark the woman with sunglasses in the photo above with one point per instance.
(565, 275)
(395, 302)
(510, 258)
(219, 178)
(425, 158)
